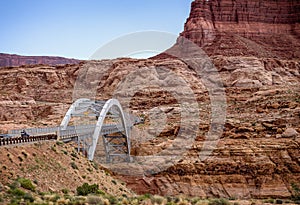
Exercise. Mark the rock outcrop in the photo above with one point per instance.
(7, 60)
(246, 28)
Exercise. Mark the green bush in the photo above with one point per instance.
(65, 191)
(112, 199)
(16, 192)
(219, 202)
(14, 185)
(86, 189)
(14, 201)
(28, 197)
(74, 154)
(144, 197)
(26, 184)
(296, 194)
(95, 165)
(59, 143)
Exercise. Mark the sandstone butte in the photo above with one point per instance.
(254, 45)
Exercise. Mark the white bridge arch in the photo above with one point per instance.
(116, 137)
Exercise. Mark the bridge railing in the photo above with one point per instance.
(18, 140)
(34, 131)
(70, 130)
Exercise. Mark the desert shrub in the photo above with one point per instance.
(94, 200)
(101, 192)
(25, 154)
(16, 192)
(77, 200)
(20, 158)
(65, 191)
(14, 201)
(59, 143)
(53, 148)
(219, 202)
(296, 193)
(184, 202)
(278, 201)
(14, 185)
(95, 165)
(271, 201)
(157, 199)
(55, 198)
(144, 197)
(26, 184)
(74, 154)
(195, 200)
(28, 197)
(170, 203)
(63, 201)
(35, 181)
(112, 199)
(73, 165)
(86, 189)
(125, 201)
(202, 202)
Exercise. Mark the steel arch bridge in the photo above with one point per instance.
(114, 133)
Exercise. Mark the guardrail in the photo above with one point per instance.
(19, 140)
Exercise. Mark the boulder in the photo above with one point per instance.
(290, 132)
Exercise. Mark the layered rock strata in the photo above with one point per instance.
(245, 28)
(7, 60)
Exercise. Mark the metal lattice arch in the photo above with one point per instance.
(115, 137)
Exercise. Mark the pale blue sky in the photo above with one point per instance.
(77, 28)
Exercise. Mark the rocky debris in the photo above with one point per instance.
(8, 60)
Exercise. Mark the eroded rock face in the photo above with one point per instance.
(32, 93)
(252, 28)
(7, 60)
(257, 155)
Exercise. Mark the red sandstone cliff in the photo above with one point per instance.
(246, 28)
(7, 60)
